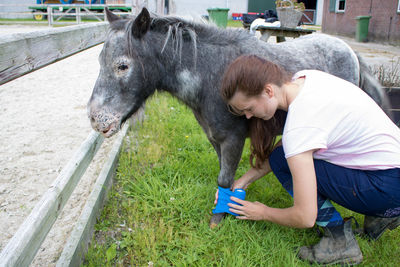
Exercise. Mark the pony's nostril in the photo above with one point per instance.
(92, 120)
(106, 129)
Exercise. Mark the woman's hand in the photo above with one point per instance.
(255, 211)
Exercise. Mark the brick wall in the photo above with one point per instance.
(384, 24)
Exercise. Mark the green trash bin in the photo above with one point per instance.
(362, 28)
(219, 16)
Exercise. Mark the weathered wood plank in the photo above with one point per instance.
(23, 246)
(77, 243)
(22, 53)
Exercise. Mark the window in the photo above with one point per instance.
(398, 7)
(332, 5)
(340, 5)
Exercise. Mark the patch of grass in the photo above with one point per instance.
(160, 206)
(317, 28)
(235, 23)
(17, 20)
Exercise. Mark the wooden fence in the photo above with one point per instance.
(26, 52)
(57, 44)
(54, 12)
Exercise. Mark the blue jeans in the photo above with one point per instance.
(375, 193)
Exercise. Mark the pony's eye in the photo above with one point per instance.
(122, 67)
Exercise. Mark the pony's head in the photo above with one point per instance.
(147, 53)
(123, 83)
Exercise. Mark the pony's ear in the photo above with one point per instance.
(141, 24)
(111, 16)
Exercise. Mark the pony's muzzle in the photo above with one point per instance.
(103, 121)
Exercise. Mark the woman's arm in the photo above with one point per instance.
(304, 211)
(251, 175)
(254, 174)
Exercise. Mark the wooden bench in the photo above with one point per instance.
(281, 32)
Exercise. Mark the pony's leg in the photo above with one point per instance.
(204, 125)
(217, 149)
(231, 152)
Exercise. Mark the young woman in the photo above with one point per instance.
(337, 144)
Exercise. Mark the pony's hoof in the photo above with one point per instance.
(216, 219)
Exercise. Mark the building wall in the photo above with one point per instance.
(11, 9)
(259, 6)
(319, 12)
(21, 6)
(384, 24)
(195, 8)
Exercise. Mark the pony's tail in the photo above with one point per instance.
(373, 88)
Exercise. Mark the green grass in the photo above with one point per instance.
(16, 20)
(235, 23)
(160, 206)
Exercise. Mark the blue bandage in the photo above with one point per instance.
(224, 195)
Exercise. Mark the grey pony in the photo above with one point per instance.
(188, 59)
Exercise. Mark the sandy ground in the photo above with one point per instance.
(43, 119)
(44, 122)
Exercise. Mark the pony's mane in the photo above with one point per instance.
(205, 32)
(178, 31)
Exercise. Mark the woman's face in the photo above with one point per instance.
(262, 106)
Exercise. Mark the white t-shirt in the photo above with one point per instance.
(346, 126)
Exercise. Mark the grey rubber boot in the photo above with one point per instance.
(337, 246)
(374, 227)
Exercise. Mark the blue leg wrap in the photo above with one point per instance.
(224, 195)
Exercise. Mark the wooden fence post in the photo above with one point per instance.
(50, 15)
(78, 15)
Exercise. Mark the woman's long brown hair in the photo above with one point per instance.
(249, 74)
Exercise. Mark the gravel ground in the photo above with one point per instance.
(43, 117)
(375, 54)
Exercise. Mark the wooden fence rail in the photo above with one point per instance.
(25, 52)
(24, 245)
(77, 244)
